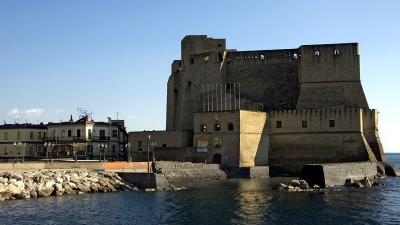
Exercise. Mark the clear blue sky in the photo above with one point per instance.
(114, 56)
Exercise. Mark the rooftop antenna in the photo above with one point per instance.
(117, 115)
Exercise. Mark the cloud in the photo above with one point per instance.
(28, 113)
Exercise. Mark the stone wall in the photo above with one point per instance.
(327, 175)
(305, 136)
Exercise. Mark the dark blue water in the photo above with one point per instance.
(225, 202)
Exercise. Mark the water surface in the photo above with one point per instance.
(219, 202)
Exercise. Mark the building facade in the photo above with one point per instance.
(87, 139)
(22, 141)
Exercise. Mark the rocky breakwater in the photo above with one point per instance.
(44, 183)
(298, 186)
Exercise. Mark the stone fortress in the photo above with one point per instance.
(278, 108)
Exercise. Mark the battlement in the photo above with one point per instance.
(319, 120)
(263, 56)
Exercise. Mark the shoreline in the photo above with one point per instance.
(25, 184)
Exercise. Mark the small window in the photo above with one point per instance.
(336, 52)
(295, 56)
(332, 123)
(278, 124)
(219, 45)
(206, 58)
(191, 61)
(115, 133)
(317, 53)
(164, 145)
(189, 84)
(203, 128)
(78, 133)
(19, 135)
(69, 133)
(5, 135)
(90, 133)
(63, 133)
(220, 57)
(230, 127)
(217, 127)
(262, 57)
(31, 135)
(140, 146)
(304, 124)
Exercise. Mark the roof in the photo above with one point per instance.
(23, 126)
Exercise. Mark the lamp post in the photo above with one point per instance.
(153, 144)
(148, 154)
(102, 147)
(49, 146)
(19, 146)
(74, 149)
(128, 152)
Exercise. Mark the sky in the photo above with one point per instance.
(113, 57)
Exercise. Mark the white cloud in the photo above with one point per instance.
(28, 113)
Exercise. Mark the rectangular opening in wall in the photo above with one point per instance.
(304, 124)
(278, 124)
(189, 84)
(191, 61)
(140, 146)
(332, 123)
(220, 57)
(203, 128)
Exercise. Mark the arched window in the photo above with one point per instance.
(203, 128)
(317, 53)
(217, 127)
(262, 57)
(336, 52)
(230, 127)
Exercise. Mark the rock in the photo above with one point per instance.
(94, 187)
(366, 182)
(315, 186)
(303, 184)
(75, 179)
(68, 190)
(112, 188)
(45, 191)
(13, 189)
(33, 194)
(59, 180)
(349, 182)
(83, 188)
(3, 188)
(358, 184)
(295, 183)
(50, 183)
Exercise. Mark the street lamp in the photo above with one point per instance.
(20, 146)
(128, 151)
(102, 146)
(48, 146)
(74, 149)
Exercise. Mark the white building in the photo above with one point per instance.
(87, 139)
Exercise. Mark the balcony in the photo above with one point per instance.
(100, 138)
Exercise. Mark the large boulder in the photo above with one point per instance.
(83, 188)
(45, 191)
